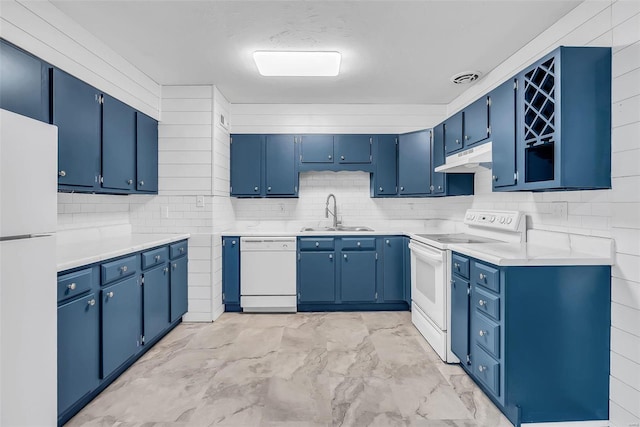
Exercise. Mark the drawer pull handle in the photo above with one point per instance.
(358, 244)
(182, 248)
(110, 294)
(124, 268)
(317, 244)
(330, 256)
(71, 286)
(482, 303)
(483, 333)
(62, 173)
(482, 368)
(157, 257)
(482, 276)
(456, 266)
(91, 302)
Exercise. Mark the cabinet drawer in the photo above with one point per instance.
(487, 303)
(487, 370)
(460, 265)
(154, 257)
(115, 270)
(316, 244)
(367, 243)
(486, 334)
(179, 249)
(486, 276)
(73, 284)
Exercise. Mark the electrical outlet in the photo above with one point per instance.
(200, 201)
(559, 210)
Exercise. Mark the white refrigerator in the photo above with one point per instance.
(28, 295)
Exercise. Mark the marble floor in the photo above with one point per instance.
(313, 369)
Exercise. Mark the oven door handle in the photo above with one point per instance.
(426, 252)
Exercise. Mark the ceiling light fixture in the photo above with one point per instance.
(297, 64)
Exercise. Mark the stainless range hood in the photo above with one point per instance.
(467, 161)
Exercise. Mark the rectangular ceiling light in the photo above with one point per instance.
(297, 64)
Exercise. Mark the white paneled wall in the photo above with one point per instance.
(42, 29)
(91, 210)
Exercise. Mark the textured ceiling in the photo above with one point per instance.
(393, 51)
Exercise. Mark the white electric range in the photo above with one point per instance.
(431, 270)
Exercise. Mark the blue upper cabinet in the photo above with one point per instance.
(453, 140)
(503, 135)
(353, 148)
(146, 154)
(564, 120)
(316, 149)
(280, 166)
(476, 122)
(118, 145)
(24, 83)
(246, 165)
(414, 163)
(77, 113)
(385, 179)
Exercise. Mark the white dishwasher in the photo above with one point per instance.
(268, 274)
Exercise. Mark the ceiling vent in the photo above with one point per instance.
(465, 77)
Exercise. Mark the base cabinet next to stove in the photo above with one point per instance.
(535, 338)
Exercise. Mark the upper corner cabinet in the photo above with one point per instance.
(563, 131)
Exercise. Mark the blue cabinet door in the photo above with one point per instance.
(438, 159)
(24, 83)
(353, 148)
(179, 287)
(385, 180)
(155, 298)
(476, 122)
(460, 318)
(503, 134)
(453, 133)
(316, 149)
(146, 153)
(78, 350)
(118, 145)
(407, 270)
(316, 277)
(414, 163)
(393, 289)
(358, 276)
(76, 112)
(230, 271)
(280, 166)
(121, 323)
(246, 165)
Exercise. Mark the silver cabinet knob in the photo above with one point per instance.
(456, 266)
(457, 141)
(387, 241)
(110, 294)
(130, 181)
(166, 270)
(62, 173)
(233, 242)
(182, 249)
(268, 188)
(71, 286)
(317, 244)
(482, 276)
(330, 157)
(380, 189)
(401, 188)
(124, 268)
(330, 256)
(91, 302)
(439, 187)
(345, 256)
(255, 188)
(482, 303)
(157, 257)
(482, 368)
(482, 333)
(432, 188)
(466, 137)
(495, 177)
(141, 183)
(341, 157)
(358, 244)
(175, 266)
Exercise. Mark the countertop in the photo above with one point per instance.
(71, 254)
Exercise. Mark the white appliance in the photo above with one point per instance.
(431, 271)
(268, 274)
(467, 161)
(28, 331)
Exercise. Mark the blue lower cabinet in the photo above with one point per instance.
(155, 297)
(358, 276)
(78, 350)
(231, 273)
(407, 270)
(393, 277)
(179, 288)
(316, 277)
(121, 323)
(460, 317)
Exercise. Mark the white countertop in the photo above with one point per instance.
(71, 254)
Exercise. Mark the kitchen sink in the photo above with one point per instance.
(338, 228)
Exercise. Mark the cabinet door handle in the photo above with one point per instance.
(439, 187)
(482, 303)
(110, 294)
(466, 137)
(182, 247)
(330, 256)
(157, 257)
(62, 173)
(345, 256)
(495, 178)
(380, 189)
(175, 266)
(268, 188)
(233, 242)
(401, 188)
(124, 268)
(330, 157)
(130, 181)
(457, 141)
(482, 368)
(341, 157)
(482, 276)
(456, 266)
(166, 270)
(141, 183)
(255, 188)
(482, 333)
(387, 242)
(71, 286)
(358, 244)
(431, 187)
(91, 302)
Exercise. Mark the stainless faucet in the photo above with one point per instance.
(334, 212)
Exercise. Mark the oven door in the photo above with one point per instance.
(428, 281)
